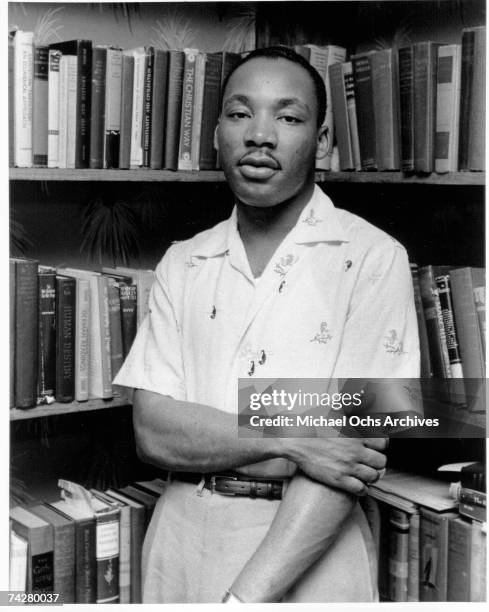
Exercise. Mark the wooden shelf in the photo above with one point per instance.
(17, 414)
(216, 176)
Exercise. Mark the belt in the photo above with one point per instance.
(235, 484)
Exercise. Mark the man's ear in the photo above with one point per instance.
(323, 142)
(216, 132)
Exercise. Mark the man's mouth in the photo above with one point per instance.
(258, 166)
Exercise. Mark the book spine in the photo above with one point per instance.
(83, 98)
(12, 330)
(85, 562)
(136, 158)
(158, 108)
(126, 110)
(11, 102)
(82, 344)
(444, 293)
(40, 557)
(26, 334)
(186, 119)
(104, 321)
(116, 351)
(477, 115)
(466, 93)
(107, 556)
(47, 335)
(210, 111)
(65, 339)
(480, 306)
(125, 555)
(341, 118)
(352, 114)
(147, 95)
(434, 555)
(398, 555)
(406, 100)
(425, 54)
(17, 562)
(426, 369)
(334, 55)
(71, 112)
(362, 75)
(459, 556)
(23, 85)
(53, 108)
(128, 297)
(470, 496)
(229, 60)
(63, 110)
(40, 107)
(447, 108)
(174, 108)
(413, 558)
(97, 110)
(113, 84)
(478, 563)
(197, 110)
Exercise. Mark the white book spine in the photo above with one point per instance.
(18, 563)
(104, 323)
(136, 158)
(71, 111)
(187, 110)
(23, 85)
(113, 95)
(82, 346)
(198, 104)
(53, 107)
(125, 555)
(63, 110)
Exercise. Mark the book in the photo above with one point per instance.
(362, 76)
(158, 108)
(115, 324)
(480, 306)
(210, 110)
(82, 339)
(447, 108)
(11, 116)
(136, 155)
(187, 110)
(434, 528)
(63, 111)
(413, 558)
(478, 563)
(471, 496)
(40, 551)
(147, 106)
(398, 554)
(200, 62)
(137, 536)
(229, 61)
(64, 550)
(339, 102)
(113, 92)
(445, 296)
(71, 110)
(425, 62)
(157, 486)
(54, 58)
(26, 332)
(406, 104)
(352, 114)
(385, 91)
(40, 107)
(147, 498)
(82, 50)
(127, 87)
(176, 61)
(17, 562)
(143, 280)
(426, 370)
(46, 379)
(128, 299)
(107, 550)
(65, 338)
(12, 332)
(97, 107)
(23, 75)
(459, 557)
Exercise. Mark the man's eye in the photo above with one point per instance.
(238, 114)
(290, 119)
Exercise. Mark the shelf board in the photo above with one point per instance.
(216, 176)
(57, 408)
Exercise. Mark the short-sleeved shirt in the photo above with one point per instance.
(335, 300)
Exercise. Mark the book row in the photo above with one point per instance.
(420, 108)
(71, 329)
(426, 550)
(86, 546)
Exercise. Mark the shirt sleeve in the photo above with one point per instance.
(380, 337)
(155, 362)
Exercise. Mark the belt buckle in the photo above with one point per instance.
(213, 484)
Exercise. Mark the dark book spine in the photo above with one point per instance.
(11, 117)
(85, 564)
(47, 334)
(12, 333)
(97, 123)
(26, 333)
(444, 292)
(148, 91)
(158, 108)
(40, 107)
(172, 126)
(126, 110)
(116, 350)
(210, 111)
(477, 118)
(425, 60)
(229, 60)
(362, 75)
(187, 118)
(107, 548)
(466, 84)
(470, 496)
(65, 339)
(406, 96)
(128, 297)
(41, 578)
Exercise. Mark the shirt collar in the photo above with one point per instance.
(318, 222)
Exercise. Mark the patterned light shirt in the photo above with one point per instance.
(335, 300)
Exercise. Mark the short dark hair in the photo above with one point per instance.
(278, 52)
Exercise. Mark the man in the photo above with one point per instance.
(289, 286)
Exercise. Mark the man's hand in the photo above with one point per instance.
(343, 463)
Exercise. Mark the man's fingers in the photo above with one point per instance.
(379, 444)
(373, 459)
(354, 486)
(366, 474)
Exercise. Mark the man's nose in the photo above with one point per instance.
(261, 132)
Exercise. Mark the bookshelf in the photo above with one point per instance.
(57, 408)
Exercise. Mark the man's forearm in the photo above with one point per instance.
(306, 524)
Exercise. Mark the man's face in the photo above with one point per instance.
(267, 134)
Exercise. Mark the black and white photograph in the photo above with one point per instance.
(247, 303)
